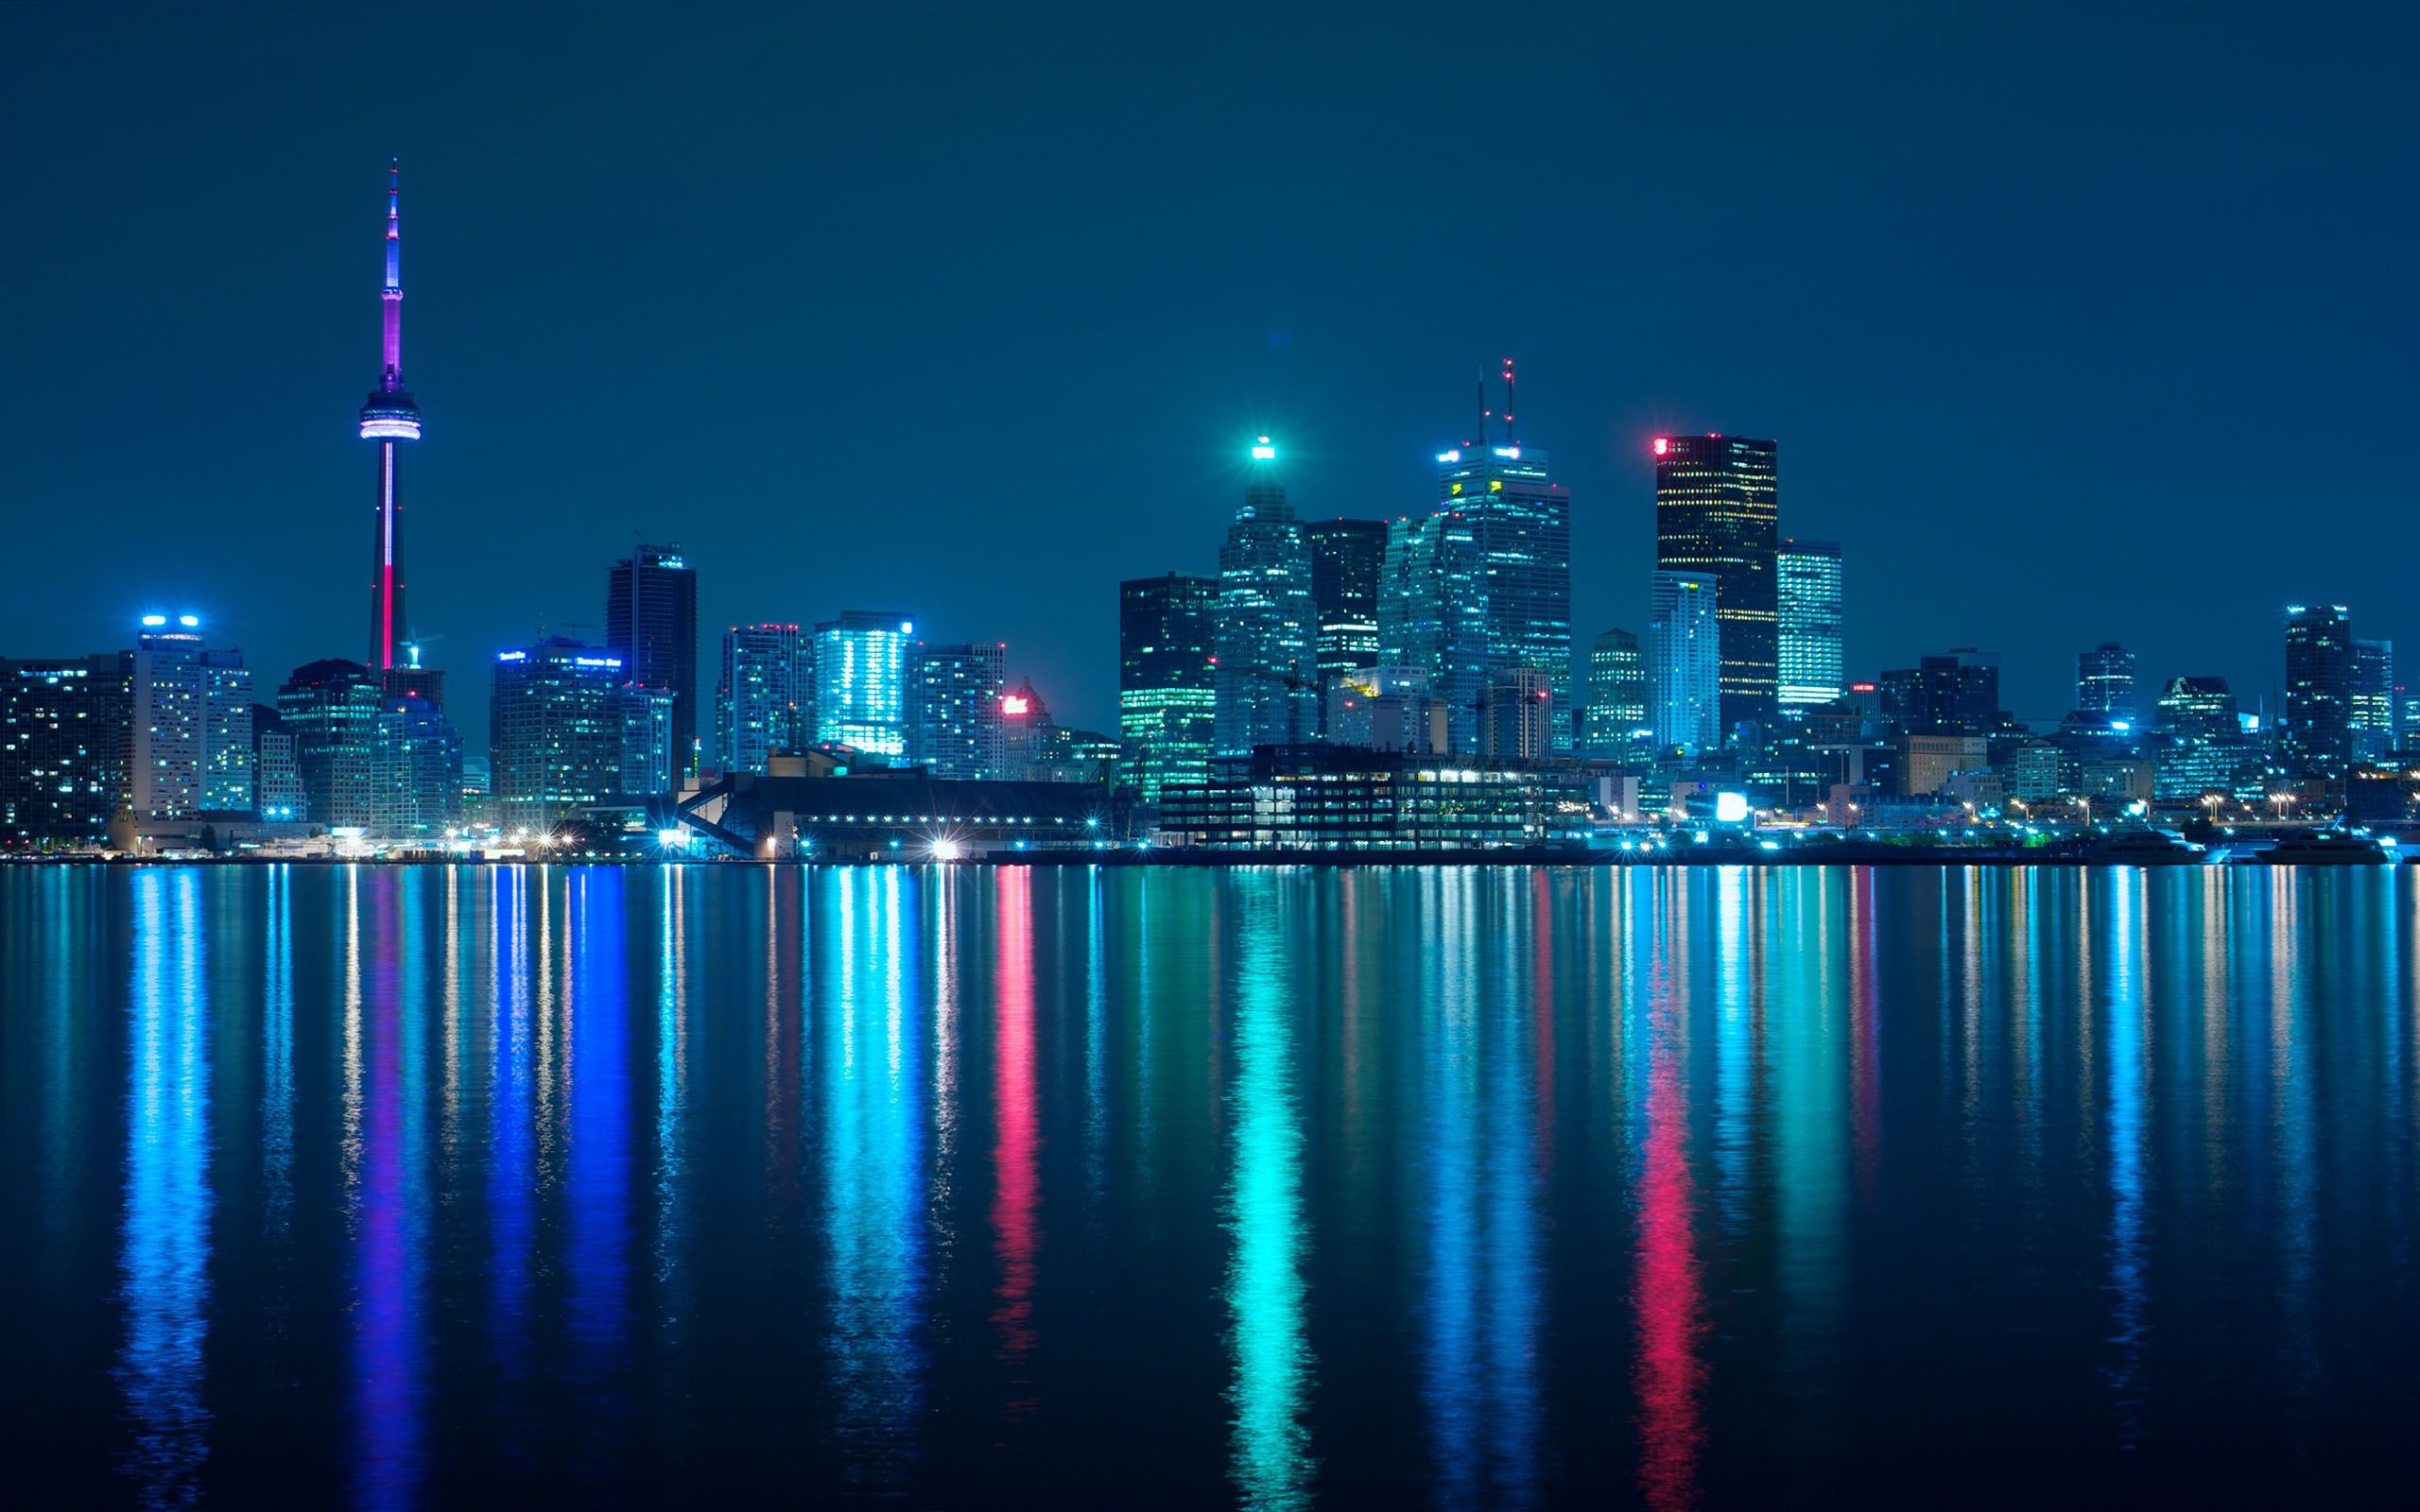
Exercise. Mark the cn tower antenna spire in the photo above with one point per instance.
(392, 294)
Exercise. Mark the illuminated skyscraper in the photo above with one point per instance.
(650, 762)
(2199, 747)
(2105, 684)
(1166, 718)
(1432, 615)
(64, 743)
(555, 731)
(1346, 558)
(1266, 679)
(1808, 574)
(389, 418)
(1615, 716)
(861, 681)
(1717, 512)
(2317, 732)
(333, 709)
(2373, 701)
(954, 696)
(1520, 529)
(765, 703)
(191, 725)
(1685, 661)
(651, 624)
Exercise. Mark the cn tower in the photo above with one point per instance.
(389, 417)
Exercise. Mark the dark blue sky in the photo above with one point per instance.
(2074, 322)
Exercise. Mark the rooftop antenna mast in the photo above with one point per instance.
(1512, 438)
(1482, 414)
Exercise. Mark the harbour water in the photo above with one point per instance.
(995, 1186)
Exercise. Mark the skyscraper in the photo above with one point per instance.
(1807, 579)
(954, 696)
(1520, 528)
(2372, 700)
(1167, 706)
(277, 780)
(191, 725)
(765, 703)
(333, 709)
(1432, 614)
(1717, 512)
(64, 743)
(2318, 734)
(861, 681)
(389, 418)
(1346, 558)
(555, 731)
(2199, 747)
(1267, 680)
(1616, 712)
(1685, 661)
(650, 757)
(2105, 684)
(651, 624)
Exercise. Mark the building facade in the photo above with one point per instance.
(191, 729)
(861, 681)
(1807, 579)
(63, 744)
(1718, 513)
(1684, 661)
(2105, 684)
(335, 712)
(1517, 715)
(1266, 676)
(1347, 558)
(555, 732)
(2371, 705)
(764, 699)
(1432, 613)
(1166, 702)
(2317, 732)
(1520, 528)
(1955, 693)
(651, 624)
(1614, 722)
(954, 709)
(1341, 798)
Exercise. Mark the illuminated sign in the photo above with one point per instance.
(1511, 451)
(1663, 444)
(1015, 704)
(511, 656)
(1264, 451)
(189, 621)
(1495, 486)
(152, 620)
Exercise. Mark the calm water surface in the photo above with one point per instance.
(976, 1187)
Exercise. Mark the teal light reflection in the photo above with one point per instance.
(1269, 1454)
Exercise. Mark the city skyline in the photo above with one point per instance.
(2066, 526)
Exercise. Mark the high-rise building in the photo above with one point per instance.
(651, 624)
(1432, 614)
(1685, 661)
(1807, 579)
(1516, 714)
(2372, 700)
(1167, 705)
(1387, 709)
(64, 743)
(334, 711)
(2199, 747)
(1614, 723)
(1346, 558)
(2318, 734)
(389, 417)
(650, 747)
(277, 779)
(420, 755)
(861, 683)
(1520, 525)
(1955, 692)
(953, 694)
(1717, 512)
(765, 702)
(191, 730)
(1266, 679)
(555, 731)
(2105, 684)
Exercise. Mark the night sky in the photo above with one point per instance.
(2073, 324)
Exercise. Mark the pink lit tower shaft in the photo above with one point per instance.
(389, 417)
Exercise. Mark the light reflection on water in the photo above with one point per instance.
(1483, 1187)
